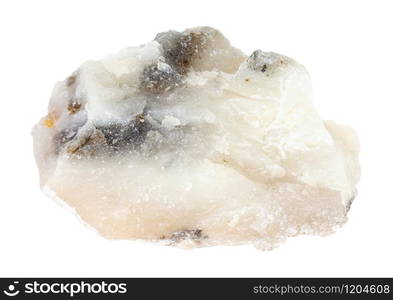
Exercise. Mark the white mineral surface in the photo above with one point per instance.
(187, 141)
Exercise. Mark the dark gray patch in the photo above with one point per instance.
(104, 139)
(266, 62)
(180, 49)
(349, 204)
(257, 61)
(252, 60)
(178, 236)
(158, 78)
(168, 39)
(132, 134)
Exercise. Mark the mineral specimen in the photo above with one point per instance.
(187, 141)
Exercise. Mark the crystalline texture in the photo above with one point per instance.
(187, 141)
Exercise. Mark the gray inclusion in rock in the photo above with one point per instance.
(132, 134)
(158, 78)
(188, 234)
(180, 49)
(179, 52)
(94, 140)
(265, 62)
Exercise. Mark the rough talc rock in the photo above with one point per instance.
(187, 141)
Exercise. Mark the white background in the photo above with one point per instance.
(347, 48)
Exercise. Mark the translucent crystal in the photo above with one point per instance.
(187, 141)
